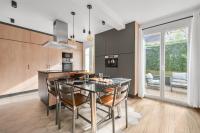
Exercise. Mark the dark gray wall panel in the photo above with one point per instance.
(109, 47)
(112, 42)
(99, 64)
(127, 39)
(112, 72)
(126, 68)
(126, 65)
(121, 43)
(100, 45)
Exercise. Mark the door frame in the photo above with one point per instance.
(162, 30)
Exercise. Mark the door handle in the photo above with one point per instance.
(28, 66)
(48, 66)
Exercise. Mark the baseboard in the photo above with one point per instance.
(18, 93)
(132, 96)
(52, 107)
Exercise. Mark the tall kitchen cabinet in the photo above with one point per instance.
(21, 56)
(121, 43)
(13, 65)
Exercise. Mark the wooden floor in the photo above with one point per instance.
(179, 94)
(26, 114)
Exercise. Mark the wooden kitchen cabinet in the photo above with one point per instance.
(37, 60)
(54, 58)
(19, 65)
(22, 56)
(13, 66)
(14, 33)
(38, 38)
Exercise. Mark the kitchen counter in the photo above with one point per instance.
(60, 71)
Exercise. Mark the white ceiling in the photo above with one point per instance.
(40, 14)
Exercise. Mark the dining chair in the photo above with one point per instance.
(71, 100)
(114, 98)
(52, 90)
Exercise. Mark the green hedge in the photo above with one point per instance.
(175, 57)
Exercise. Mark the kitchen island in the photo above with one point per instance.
(53, 74)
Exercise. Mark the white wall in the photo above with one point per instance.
(92, 63)
(170, 17)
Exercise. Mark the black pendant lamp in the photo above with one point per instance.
(73, 37)
(89, 37)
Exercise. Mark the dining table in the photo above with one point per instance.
(94, 87)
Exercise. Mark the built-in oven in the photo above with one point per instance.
(111, 61)
(67, 61)
(67, 67)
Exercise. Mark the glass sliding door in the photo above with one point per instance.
(166, 61)
(152, 43)
(176, 44)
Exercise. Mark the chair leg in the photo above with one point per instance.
(57, 109)
(48, 106)
(113, 120)
(47, 110)
(110, 113)
(73, 121)
(119, 110)
(59, 112)
(126, 110)
(77, 113)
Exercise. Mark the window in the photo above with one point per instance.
(166, 57)
(87, 59)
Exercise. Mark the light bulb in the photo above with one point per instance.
(89, 37)
(73, 40)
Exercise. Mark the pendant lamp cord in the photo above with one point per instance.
(73, 26)
(89, 21)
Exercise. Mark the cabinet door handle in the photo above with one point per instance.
(48, 66)
(28, 66)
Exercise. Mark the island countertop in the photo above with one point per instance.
(61, 71)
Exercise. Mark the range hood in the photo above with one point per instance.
(60, 31)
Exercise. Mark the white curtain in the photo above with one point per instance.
(194, 63)
(139, 66)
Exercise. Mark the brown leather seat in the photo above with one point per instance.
(107, 100)
(78, 98)
(108, 90)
